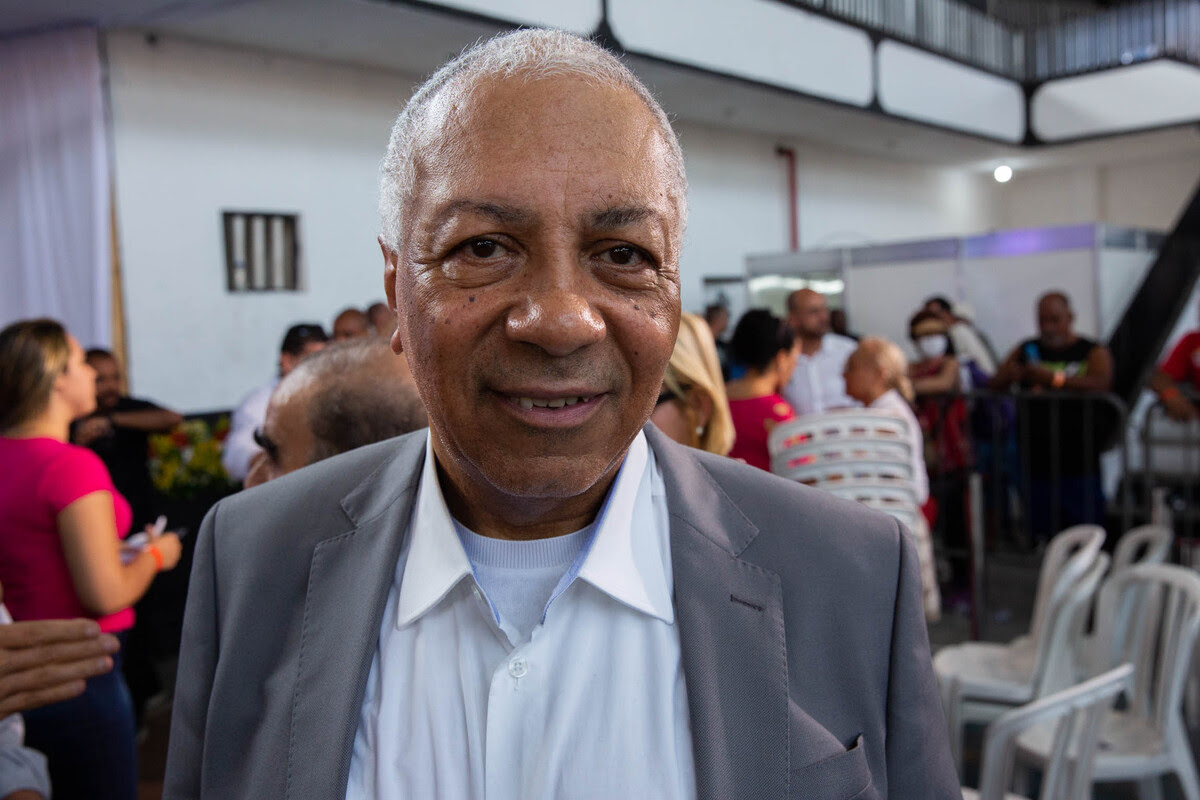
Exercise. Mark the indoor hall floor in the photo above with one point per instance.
(1011, 583)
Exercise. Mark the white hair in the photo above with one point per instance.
(533, 54)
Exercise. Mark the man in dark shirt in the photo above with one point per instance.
(118, 431)
(1062, 430)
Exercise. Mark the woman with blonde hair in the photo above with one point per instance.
(692, 408)
(60, 552)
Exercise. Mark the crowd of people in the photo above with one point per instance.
(360, 628)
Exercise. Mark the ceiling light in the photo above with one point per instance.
(1003, 173)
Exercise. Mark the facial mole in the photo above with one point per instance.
(636, 307)
(471, 298)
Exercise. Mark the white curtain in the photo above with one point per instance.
(55, 255)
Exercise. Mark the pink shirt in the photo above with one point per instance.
(753, 420)
(38, 479)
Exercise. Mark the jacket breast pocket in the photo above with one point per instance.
(844, 776)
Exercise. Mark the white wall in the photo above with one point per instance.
(199, 129)
(1138, 193)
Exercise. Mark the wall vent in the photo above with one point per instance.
(262, 251)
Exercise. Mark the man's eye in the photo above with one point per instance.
(482, 248)
(624, 256)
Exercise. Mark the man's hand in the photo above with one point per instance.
(91, 429)
(1179, 407)
(47, 661)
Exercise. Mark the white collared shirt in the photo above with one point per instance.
(592, 707)
(817, 384)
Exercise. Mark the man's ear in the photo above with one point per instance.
(389, 288)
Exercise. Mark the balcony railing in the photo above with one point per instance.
(1057, 40)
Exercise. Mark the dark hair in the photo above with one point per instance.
(98, 352)
(33, 353)
(941, 302)
(758, 338)
(298, 336)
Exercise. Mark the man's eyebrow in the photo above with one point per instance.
(621, 216)
(505, 215)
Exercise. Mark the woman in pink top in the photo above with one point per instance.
(766, 347)
(60, 551)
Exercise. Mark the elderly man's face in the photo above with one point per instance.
(538, 283)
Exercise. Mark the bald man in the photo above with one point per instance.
(816, 385)
(346, 396)
(1064, 428)
(351, 324)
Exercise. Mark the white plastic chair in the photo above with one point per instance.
(1073, 717)
(979, 680)
(862, 455)
(1147, 544)
(1147, 739)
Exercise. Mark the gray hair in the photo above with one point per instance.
(533, 54)
(357, 392)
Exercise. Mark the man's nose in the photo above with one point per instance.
(556, 312)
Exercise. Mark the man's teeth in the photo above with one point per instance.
(558, 402)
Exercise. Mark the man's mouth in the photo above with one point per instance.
(555, 402)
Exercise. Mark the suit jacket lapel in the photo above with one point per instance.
(349, 578)
(730, 616)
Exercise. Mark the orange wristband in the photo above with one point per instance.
(1059, 379)
(1169, 394)
(153, 550)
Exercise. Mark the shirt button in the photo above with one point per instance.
(518, 667)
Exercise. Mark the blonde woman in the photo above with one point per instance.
(60, 552)
(877, 376)
(692, 408)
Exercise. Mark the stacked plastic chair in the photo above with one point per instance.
(1071, 719)
(980, 680)
(1149, 616)
(862, 455)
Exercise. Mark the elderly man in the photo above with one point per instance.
(816, 384)
(299, 341)
(1065, 430)
(346, 396)
(542, 597)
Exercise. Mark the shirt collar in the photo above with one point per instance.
(627, 559)
(630, 557)
(435, 553)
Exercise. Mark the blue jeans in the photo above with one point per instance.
(1074, 501)
(90, 741)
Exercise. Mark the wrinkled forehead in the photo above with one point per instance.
(561, 124)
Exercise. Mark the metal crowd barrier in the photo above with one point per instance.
(1167, 483)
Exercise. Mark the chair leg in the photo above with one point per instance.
(1185, 769)
(1150, 788)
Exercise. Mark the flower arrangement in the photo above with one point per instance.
(187, 461)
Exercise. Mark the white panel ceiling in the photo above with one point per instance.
(1130, 98)
(760, 40)
(922, 86)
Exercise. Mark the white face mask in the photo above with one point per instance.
(932, 346)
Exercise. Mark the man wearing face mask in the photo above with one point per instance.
(1060, 423)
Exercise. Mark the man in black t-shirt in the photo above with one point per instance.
(1061, 430)
(118, 431)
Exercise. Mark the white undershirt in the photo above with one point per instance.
(592, 707)
(816, 384)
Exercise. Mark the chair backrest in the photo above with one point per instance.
(1060, 640)
(1147, 544)
(1157, 636)
(1077, 714)
(1069, 555)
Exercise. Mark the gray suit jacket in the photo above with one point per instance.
(804, 644)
